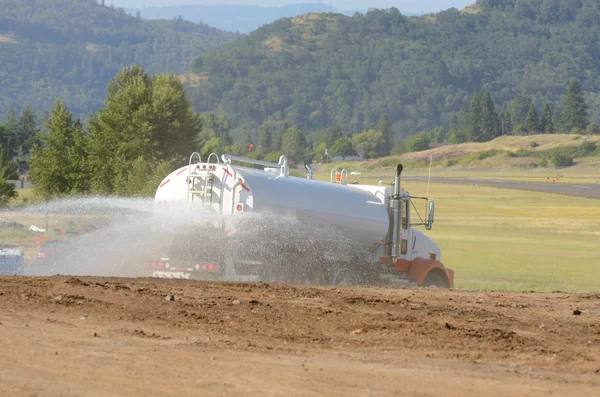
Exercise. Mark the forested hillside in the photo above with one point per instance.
(72, 48)
(327, 69)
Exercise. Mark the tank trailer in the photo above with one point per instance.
(247, 202)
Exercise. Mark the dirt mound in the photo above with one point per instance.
(261, 338)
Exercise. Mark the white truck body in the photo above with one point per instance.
(362, 214)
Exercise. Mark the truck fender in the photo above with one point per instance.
(420, 268)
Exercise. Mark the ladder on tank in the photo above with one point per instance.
(201, 181)
(339, 177)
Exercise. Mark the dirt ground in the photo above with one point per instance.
(65, 336)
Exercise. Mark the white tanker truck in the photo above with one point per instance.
(259, 223)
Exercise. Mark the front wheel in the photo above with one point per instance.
(435, 280)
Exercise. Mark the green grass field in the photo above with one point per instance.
(504, 239)
(501, 239)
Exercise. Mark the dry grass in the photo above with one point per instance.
(469, 163)
(472, 9)
(193, 80)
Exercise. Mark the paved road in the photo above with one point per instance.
(589, 190)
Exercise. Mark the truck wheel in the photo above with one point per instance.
(435, 280)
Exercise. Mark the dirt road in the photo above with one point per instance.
(65, 336)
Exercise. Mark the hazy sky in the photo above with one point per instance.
(402, 5)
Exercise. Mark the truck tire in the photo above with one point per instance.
(435, 280)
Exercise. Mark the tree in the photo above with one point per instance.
(212, 125)
(342, 147)
(489, 121)
(547, 120)
(143, 116)
(505, 120)
(59, 166)
(335, 133)
(518, 109)
(475, 117)
(575, 112)
(293, 144)
(11, 128)
(532, 121)
(27, 128)
(264, 139)
(418, 143)
(384, 127)
(368, 142)
(7, 189)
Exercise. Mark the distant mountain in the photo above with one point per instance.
(326, 69)
(233, 17)
(72, 48)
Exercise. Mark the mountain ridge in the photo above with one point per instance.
(70, 49)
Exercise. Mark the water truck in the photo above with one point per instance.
(262, 224)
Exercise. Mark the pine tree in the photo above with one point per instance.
(475, 112)
(547, 121)
(264, 139)
(532, 120)
(384, 127)
(11, 126)
(505, 120)
(143, 116)
(59, 166)
(27, 129)
(489, 120)
(575, 112)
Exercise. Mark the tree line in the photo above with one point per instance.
(145, 128)
(480, 121)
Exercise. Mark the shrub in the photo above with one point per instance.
(543, 162)
(534, 144)
(561, 159)
(593, 129)
(588, 147)
(522, 152)
(418, 143)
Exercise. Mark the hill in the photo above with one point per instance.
(323, 69)
(242, 18)
(506, 156)
(72, 48)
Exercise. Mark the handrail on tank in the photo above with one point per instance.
(342, 179)
(282, 165)
(211, 155)
(192, 157)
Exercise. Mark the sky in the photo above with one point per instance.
(403, 5)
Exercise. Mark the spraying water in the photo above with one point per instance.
(119, 236)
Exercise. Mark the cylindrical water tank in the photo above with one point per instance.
(358, 212)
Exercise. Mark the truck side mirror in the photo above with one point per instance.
(429, 223)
